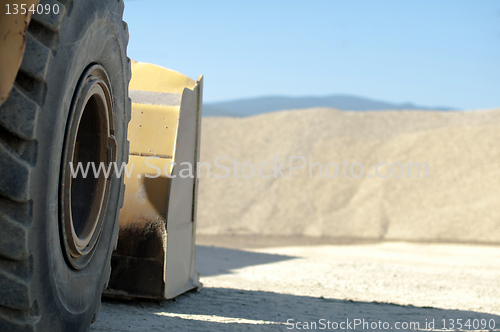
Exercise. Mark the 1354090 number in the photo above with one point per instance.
(469, 324)
(13, 9)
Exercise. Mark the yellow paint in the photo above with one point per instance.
(152, 132)
(13, 29)
(148, 77)
(145, 197)
(153, 129)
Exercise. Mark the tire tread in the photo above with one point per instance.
(18, 149)
(18, 154)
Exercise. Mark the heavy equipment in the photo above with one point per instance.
(64, 101)
(155, 254)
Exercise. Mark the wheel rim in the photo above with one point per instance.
(89, 142)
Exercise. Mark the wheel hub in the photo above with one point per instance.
(89, 150)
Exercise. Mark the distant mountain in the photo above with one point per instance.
(253, 106)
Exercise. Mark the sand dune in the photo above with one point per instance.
(458, 202)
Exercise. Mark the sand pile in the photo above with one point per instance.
(459, 201)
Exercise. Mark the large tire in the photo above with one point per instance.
(45, 285)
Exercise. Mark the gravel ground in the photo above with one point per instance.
(327, 287)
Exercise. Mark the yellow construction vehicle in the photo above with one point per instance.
(155, 253)
(64, 102)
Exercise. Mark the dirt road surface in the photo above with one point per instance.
(358, 287)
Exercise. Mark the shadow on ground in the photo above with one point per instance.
(211, 261)
(225, 309)
(219, 308)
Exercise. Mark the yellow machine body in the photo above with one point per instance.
(155, 253)
(13, 29)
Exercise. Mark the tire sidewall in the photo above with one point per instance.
(93, 33)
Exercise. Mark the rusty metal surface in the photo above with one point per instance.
(13, 28)
(137, 264)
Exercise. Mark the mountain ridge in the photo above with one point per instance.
(260, 105)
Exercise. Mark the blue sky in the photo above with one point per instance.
(433, 53)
